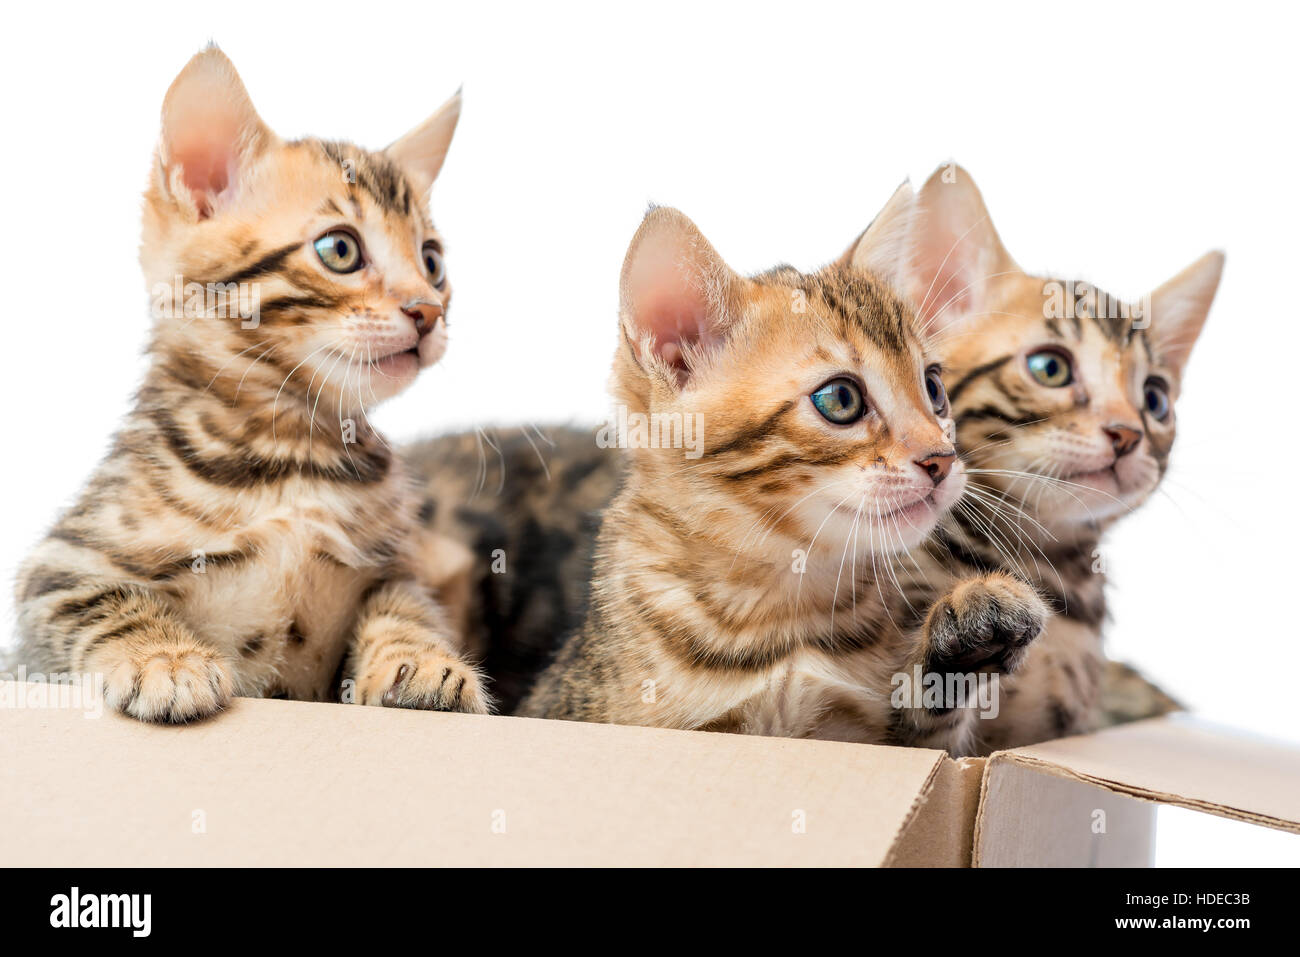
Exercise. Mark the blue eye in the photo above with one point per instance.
(840, 401)
(1051, 368)
(339, 250)
(1155, 395)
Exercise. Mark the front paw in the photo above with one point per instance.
(171, 680)
(431, 680)
(983, 624)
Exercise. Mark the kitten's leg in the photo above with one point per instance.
(445, 567)
(1057, 692)
(404, 655)
(154, 667)
(983, 625)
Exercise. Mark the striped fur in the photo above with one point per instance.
(249, 532)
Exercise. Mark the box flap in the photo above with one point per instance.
(281, 782)
(939, 830)
(1182, 761)
(1031, 819)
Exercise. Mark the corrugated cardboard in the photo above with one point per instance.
(1041, 803)
(279, 782)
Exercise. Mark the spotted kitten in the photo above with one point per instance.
(249, 533)
(737, 591)
(1064, 401)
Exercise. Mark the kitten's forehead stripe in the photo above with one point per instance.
(1112, 322)
(855, 300)
(378, 176)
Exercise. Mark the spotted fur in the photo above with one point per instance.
(249, 532)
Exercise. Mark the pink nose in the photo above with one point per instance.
(426, 314)
(938, 464)
(1123, 439)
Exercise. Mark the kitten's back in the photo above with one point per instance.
(527, 504)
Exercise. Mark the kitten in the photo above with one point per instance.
(1064, 400)
(737, 590)
(249, 533)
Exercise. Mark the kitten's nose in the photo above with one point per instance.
(938, 464)
(426, 314)
(1123, 439)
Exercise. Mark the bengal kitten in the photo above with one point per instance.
(249, 533)
(803, 438)
(1064, 400)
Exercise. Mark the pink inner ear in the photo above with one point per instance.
(673, 320)
(206, 155)
(945, 284)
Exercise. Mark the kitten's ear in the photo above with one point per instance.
(879, 250)
(421, 152)
(676, 294)
(210, 135)
(952, 251)
(1180, 307)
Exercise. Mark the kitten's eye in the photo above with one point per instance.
(938, 394)
(1155, 395)
(433, 263)
(840, 401)
(339, 250)
(1051, 368)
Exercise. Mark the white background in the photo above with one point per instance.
(1112, 143)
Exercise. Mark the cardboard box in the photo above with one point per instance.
(296, 783)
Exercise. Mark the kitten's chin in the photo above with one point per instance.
(1096, 496)
(383, 378)
(887, 529)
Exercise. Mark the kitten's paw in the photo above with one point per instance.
(173, 680)
(432, 680)
(983, 624)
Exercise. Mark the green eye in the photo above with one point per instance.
(339, 250)
(840, 401)
(1051, 368)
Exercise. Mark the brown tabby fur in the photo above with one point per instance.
(525, 507)
(248, 532)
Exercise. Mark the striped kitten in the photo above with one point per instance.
(1064, 403)
(735, 588)
(249, 533)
